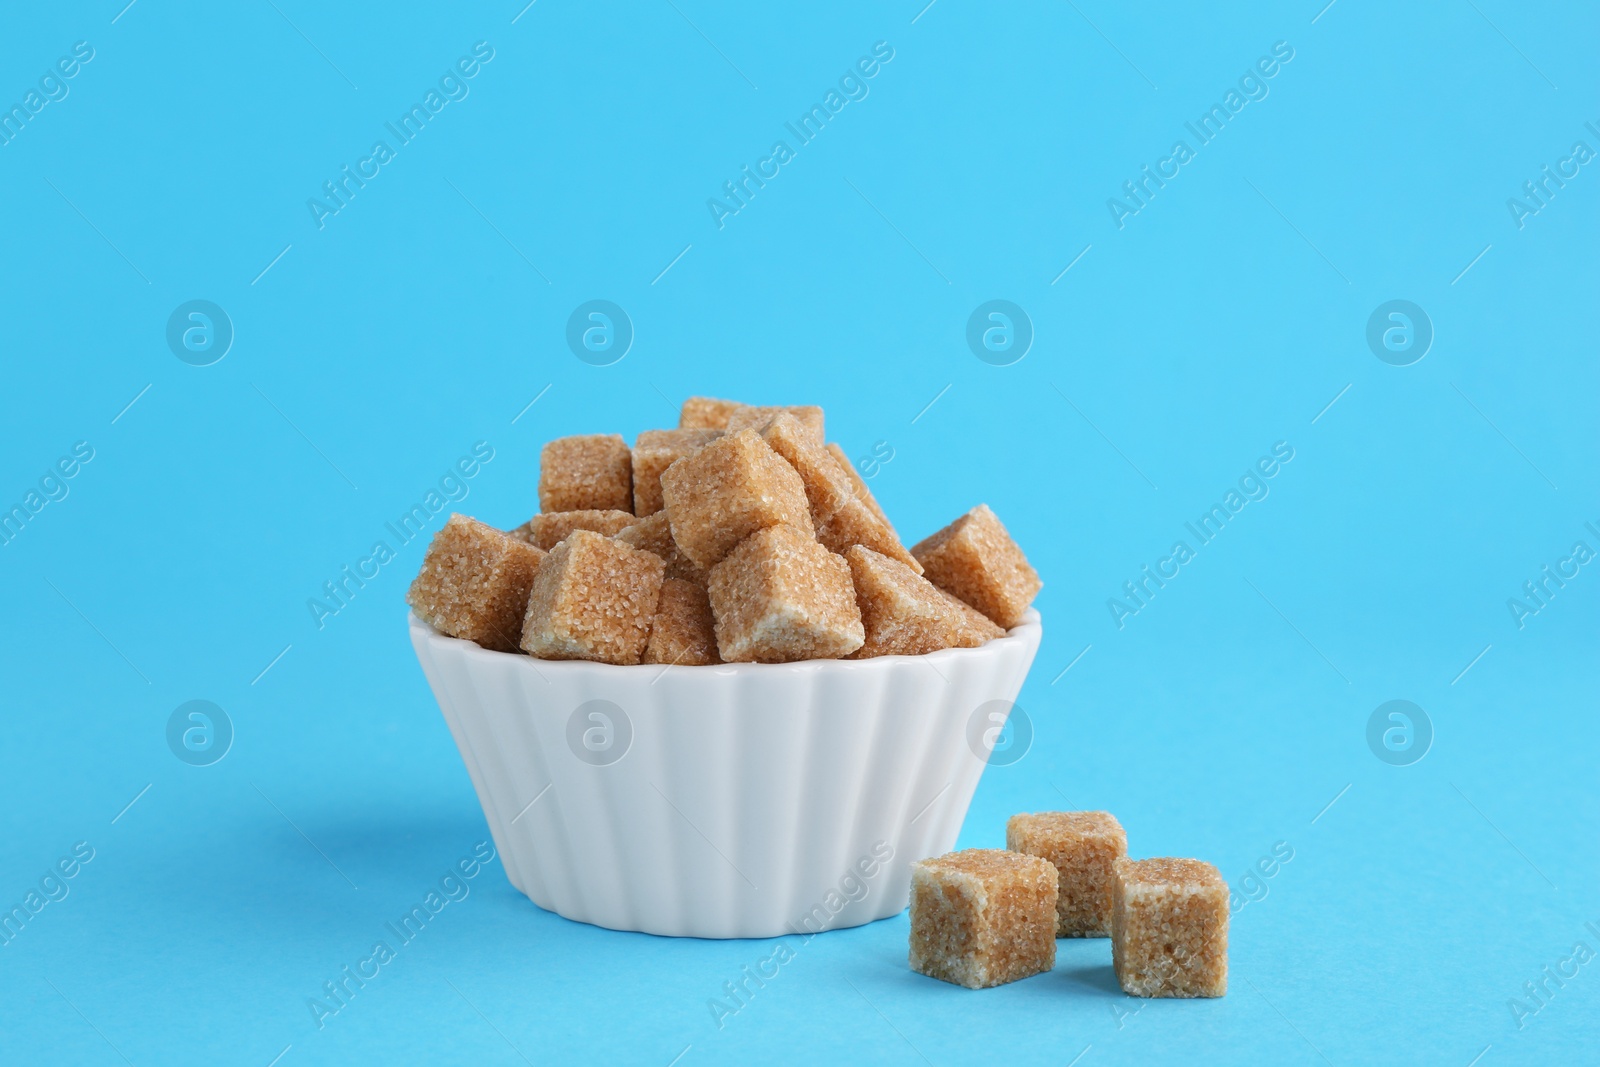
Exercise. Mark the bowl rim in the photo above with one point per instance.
(1029, 631)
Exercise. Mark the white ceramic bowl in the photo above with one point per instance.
(745, 800)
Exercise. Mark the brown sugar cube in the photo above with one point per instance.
(706, 413)
(983, 917)
(842, 518)
(859, 484)
(593, 598)
(902, 612)
(827, 487)
(747, 417)
(653, 452)
(727, 491)
(474, 583)
(978, 626)
(654, 534)
(683, 632)
(975, 559)
(547, 530)
(780, 596)
(855, 524)
(1083, 846)
(1169, 928)
(587, 472)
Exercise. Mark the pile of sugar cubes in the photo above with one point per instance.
(986, 916)
(741, 536)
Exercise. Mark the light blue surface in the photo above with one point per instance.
(1230, 313)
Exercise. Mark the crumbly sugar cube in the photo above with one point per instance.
(706, 413)
(902, 613)
(474, 583)
(780, 596)
(827, 487)
(1169, 928)
(1084, 847)
(653, 452)
(594, 598)
(975, 559)
(748, 417)
(855, 524)
(589, 472)
(546, 530)
(683, 632)
(860, 484)
(728, 490)
(654, 534)
(978, 627)
(843, 518)
(983, 917)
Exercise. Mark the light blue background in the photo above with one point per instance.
(429, 312)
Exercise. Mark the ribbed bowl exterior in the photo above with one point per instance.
(745, 800)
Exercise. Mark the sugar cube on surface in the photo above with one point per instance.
(1084, 847)
(653, 452)
(594, 598)
(749, 417)
(706, 413)
(683, 632)
(1169, 928)
(855, 524)
(474, 583)
(902, 613)
(780, 596)
(983, 917)
(654, 534)
(828, 488)
(586, 472)
(859, 483)
(546, 529)
(842, 516)
(977, 627)
(975, 559)
(728, 490)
